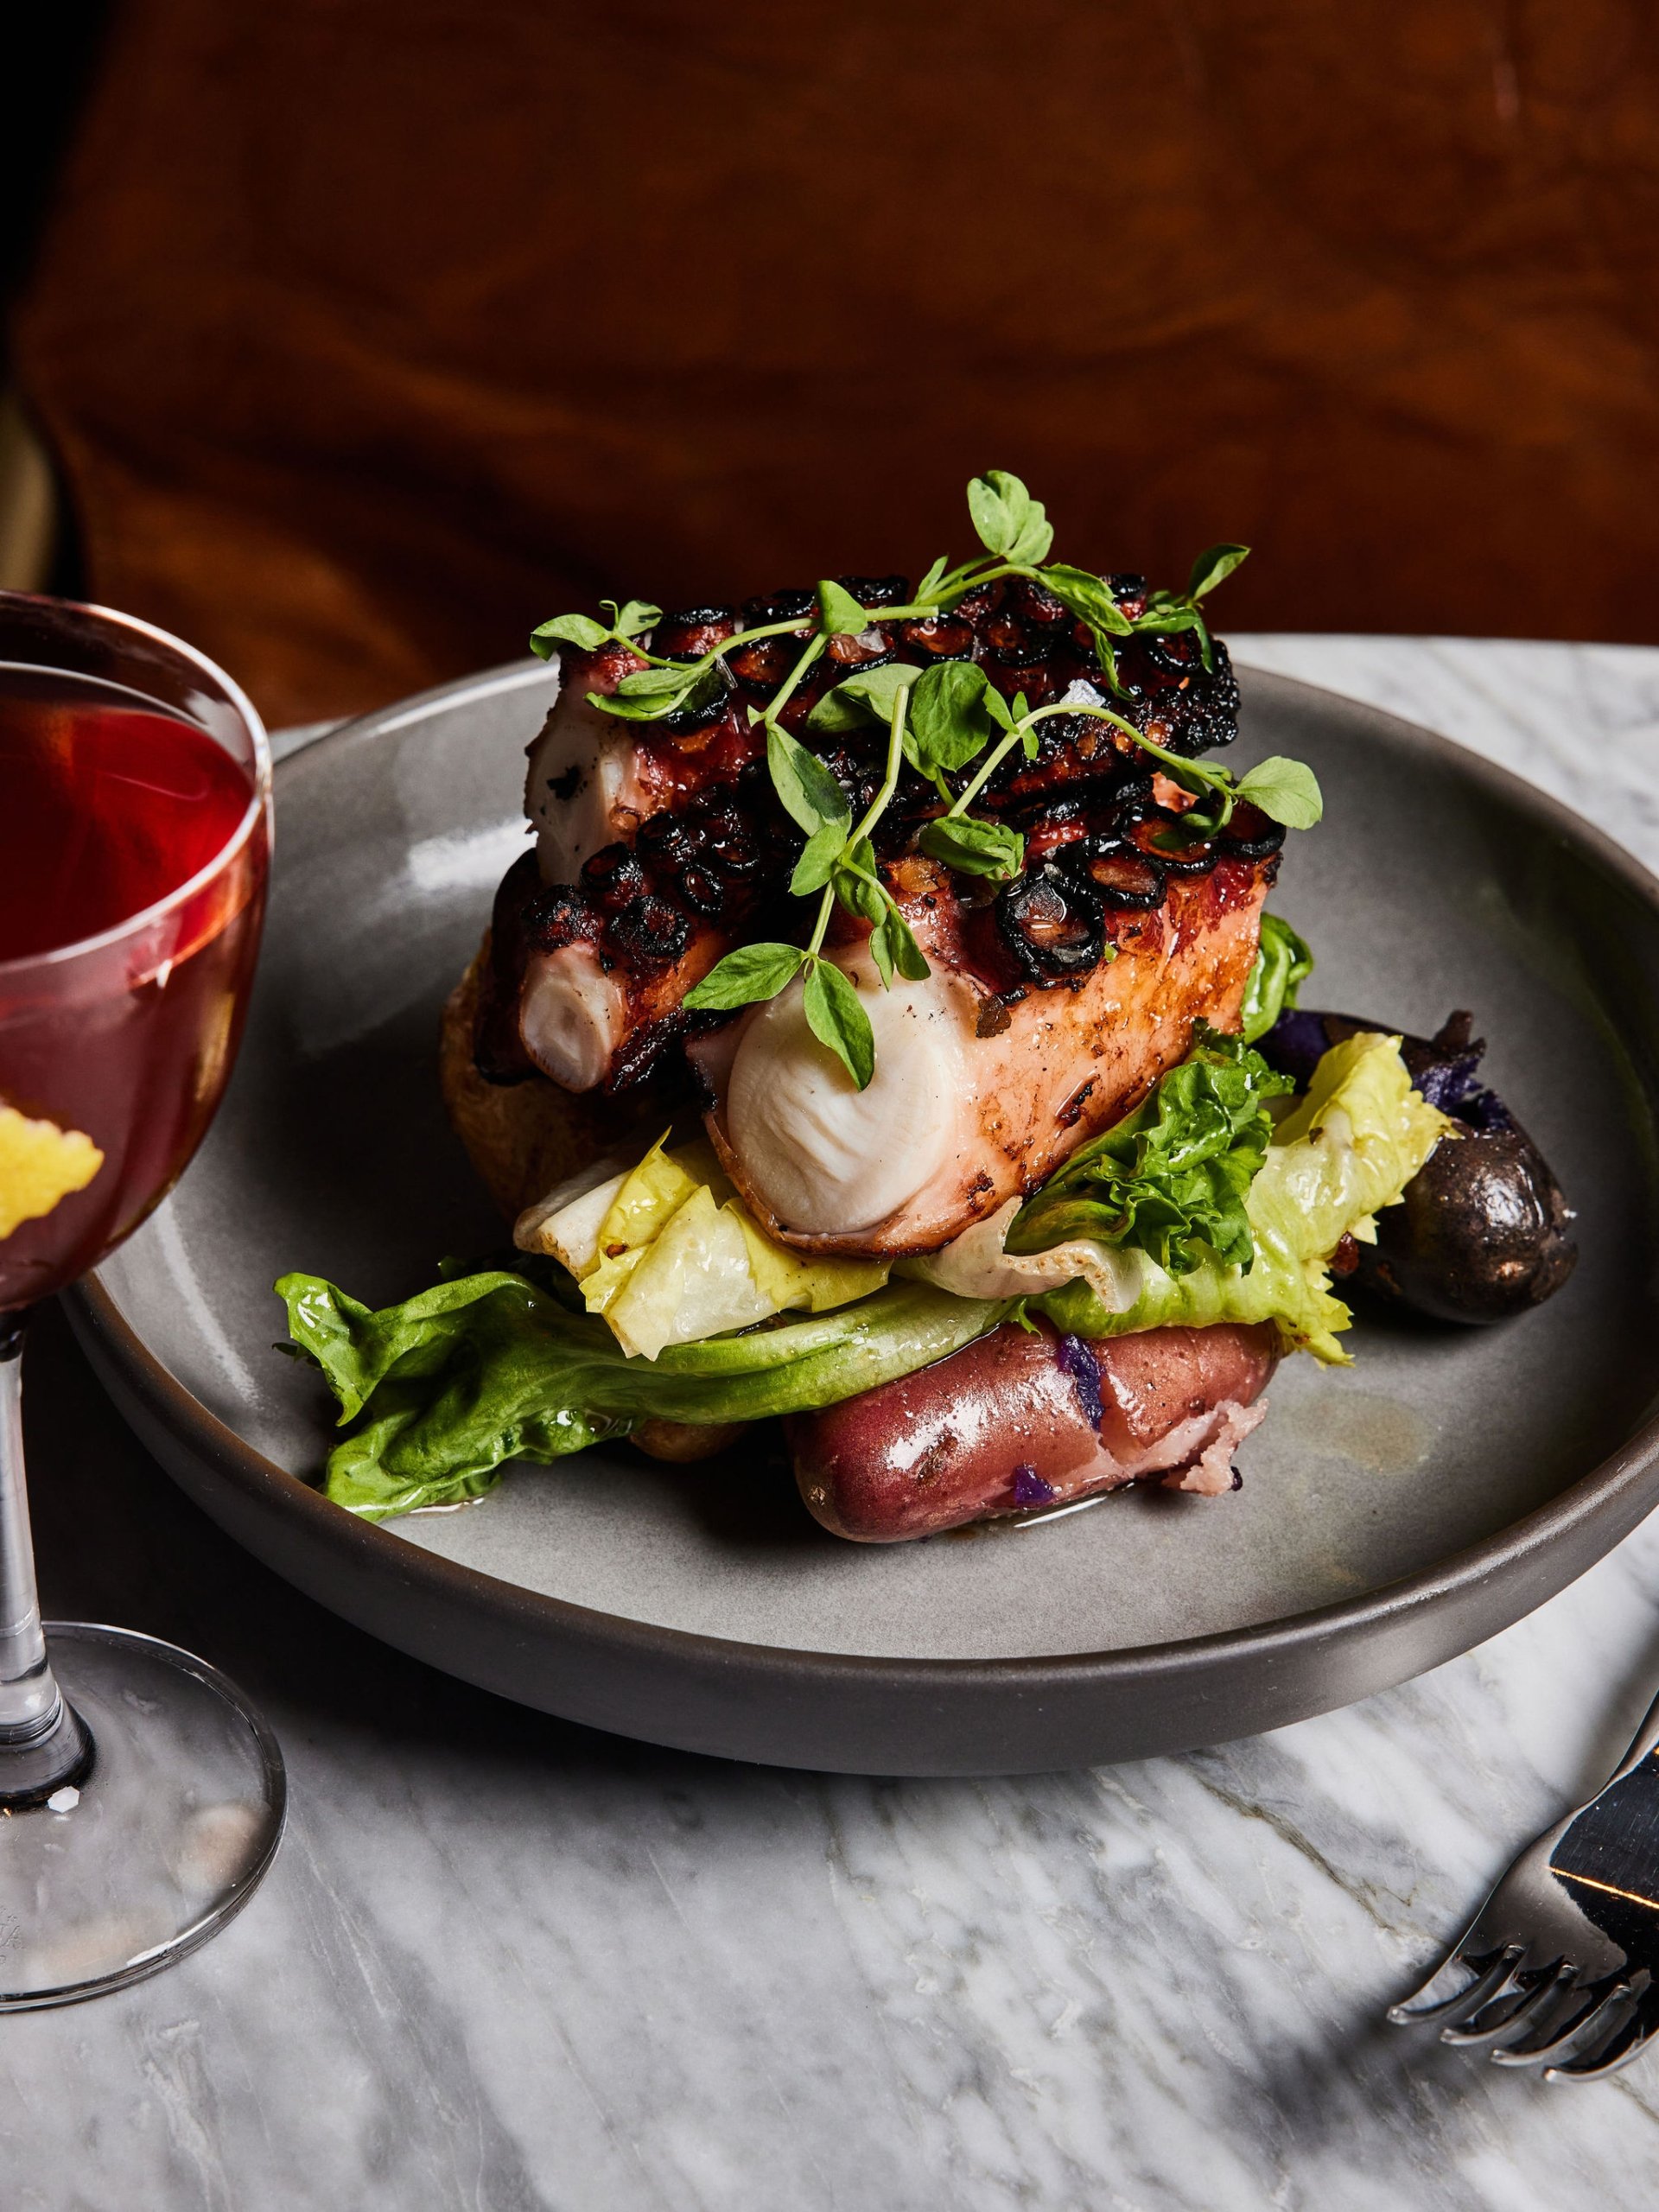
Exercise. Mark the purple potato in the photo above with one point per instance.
(1482, 1231)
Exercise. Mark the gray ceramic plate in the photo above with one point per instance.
(1392, 1515)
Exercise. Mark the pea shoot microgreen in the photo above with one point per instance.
(943, 721)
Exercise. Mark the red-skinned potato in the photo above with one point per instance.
(1023, 1418)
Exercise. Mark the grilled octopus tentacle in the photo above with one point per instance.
(1055, 1002)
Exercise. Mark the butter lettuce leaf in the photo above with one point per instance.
(439, 1391)
(1352, 1146)
(677, 1258)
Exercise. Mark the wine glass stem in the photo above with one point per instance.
(41, 1742)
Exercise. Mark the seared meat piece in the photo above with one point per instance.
(978, 1096)
(660, 845)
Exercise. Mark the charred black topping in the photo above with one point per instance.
(727, 842)
(649, 931)
(1030, 764)
(669, 836)
(557, 915)
(612, 877)
(645, 1052)
(943, 637)
(702, 889)
(1162, 836)
(761, 667)
(1114, 871)
(875, 591)
(1020, 645)
(1052, 924)
(795, 604)
(707, 706)
(1251, 835)
(692, 631)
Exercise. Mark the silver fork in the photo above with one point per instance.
(1564, 1955)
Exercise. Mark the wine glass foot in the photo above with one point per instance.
(164, 1836)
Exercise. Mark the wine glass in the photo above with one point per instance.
(141, 1797)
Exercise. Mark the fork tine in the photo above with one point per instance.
(1612, 2050)
(1569, 2040)
(1584, 2019)
(1408, 2014)
(1527, 2003)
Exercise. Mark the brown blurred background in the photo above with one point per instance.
(361, 337)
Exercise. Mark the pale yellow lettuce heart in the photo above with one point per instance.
(677, 1258)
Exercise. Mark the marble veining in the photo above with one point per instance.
(506, 1964)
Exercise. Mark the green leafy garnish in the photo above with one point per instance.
(626, 623)
(810, 794)
(860, 699)
(1090, 598)
(819, 862)
(1287, 790)
(1171, 1178)
(951, 720)
(632, 617)
(1213, 568)
(746, 978)
(945, 721)
(578, 630)
(1281, 965)
(975, 848)
(840, 614)
(892, 946)
(839, 857)
(836, 1019)
(1010, 523)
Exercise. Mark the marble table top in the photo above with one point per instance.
(507, 1964)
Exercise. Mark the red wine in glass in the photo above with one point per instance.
(109, 808)
(141, 1797)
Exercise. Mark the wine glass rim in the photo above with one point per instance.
(240, 704)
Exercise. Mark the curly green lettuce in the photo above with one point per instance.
(1350, 1147)
(1172, 1177)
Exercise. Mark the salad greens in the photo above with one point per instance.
(1282, 964)
(943, 721)
(442, 1390)
(1173, 1176)
(1350, 1146)
(437, 1392)
(667, 1255)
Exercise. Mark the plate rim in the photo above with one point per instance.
(367, 1546)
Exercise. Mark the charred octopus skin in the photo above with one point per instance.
(661, 845)
(1025, 888)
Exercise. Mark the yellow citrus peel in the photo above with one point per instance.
(39, 1164)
